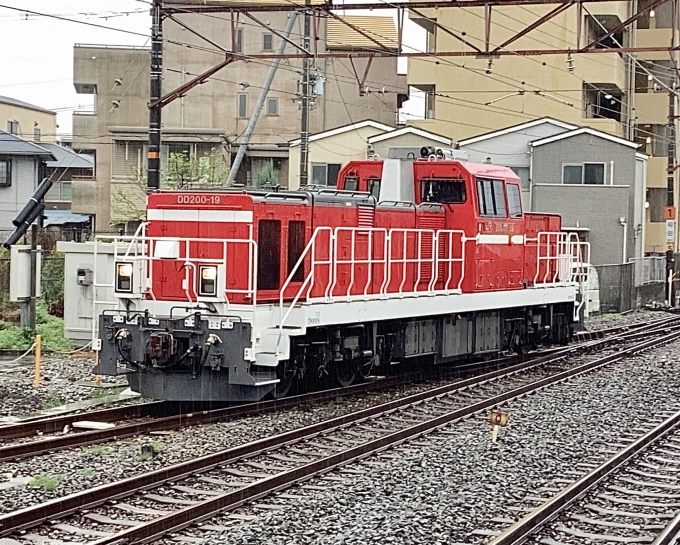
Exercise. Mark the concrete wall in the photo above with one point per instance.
(24, 182)
(29, 119)
(597, 207)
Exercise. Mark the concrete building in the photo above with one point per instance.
(22, 166)
(27, 121)
(329, 151)
(211, 118)
(613, 93)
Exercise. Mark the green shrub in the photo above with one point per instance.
(46, 481)
(100, 450)
(49, 327)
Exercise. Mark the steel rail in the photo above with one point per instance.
(529, 524)
(53, 444)
(53, 424)
(60, 507)
(670, 533)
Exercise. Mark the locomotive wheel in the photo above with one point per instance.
(286, 379)
(346, 373)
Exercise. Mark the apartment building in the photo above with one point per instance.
(27, 121)
(619, 94)
(211, 119)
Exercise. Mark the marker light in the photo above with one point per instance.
(124, 277)
(207, 280)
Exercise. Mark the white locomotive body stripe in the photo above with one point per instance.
(212, 216)
(517, 239)
(491, 239)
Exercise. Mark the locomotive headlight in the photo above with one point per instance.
(124, 277)
(208, 280)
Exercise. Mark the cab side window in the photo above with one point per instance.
(514, 201)
(491, 197)
(443, 190)
(351, 183)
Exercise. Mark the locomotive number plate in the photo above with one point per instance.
(198, 199)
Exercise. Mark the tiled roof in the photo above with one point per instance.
(13, 145)
(66, 157)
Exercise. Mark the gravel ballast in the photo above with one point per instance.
(449, 486)
(59, 384)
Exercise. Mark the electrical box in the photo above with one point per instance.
(20, 273)
(84, 277)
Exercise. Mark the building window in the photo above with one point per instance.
(523, 175)
(238, 46)
(5, 172)
(325, 173)
(430, 94)
(491, 198)
(60, 191)
(36, 134)
(602, 101)
(431, 40)
(272, 106)
(13, 127)
(267, 42)
(585, 174)
(649, 73)
(242, 105)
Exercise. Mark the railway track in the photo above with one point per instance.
(146, 418)
(632, 497)
(168, 500)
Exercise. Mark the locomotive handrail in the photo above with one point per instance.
(310, 277)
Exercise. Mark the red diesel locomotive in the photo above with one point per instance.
(233, 295)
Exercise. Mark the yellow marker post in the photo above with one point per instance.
(38, 347)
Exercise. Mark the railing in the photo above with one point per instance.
(149, 251)
(398, 263)
(649, 270)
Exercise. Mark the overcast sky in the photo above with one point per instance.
(37, 57)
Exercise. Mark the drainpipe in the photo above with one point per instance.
(260, 102)
(623, 223)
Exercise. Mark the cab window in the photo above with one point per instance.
(374, 187)
(514, 201)
(351, 183)
(491, 197)
(443, 190)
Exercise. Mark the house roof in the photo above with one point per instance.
(13, 145)
(585, 130)
(340, 35)
(517, 128)
(345, 128)
(22, 104)
(410, 130)
(66, 157)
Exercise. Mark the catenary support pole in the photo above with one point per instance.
(260, 103)
(304, 117)
(670, 181)
(155, 87)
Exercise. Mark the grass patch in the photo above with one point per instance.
(54, 400)
(98, 393)
(46, 482)
(51, 328)
(158, 447)
(88, 473)
(100, 450)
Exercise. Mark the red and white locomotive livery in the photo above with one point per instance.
(231, 295)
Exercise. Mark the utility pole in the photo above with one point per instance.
(154, 151)
(33, 280)
(671, 227)
(304, 118)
